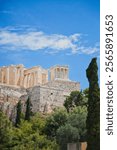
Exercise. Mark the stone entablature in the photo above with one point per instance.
(18, 75)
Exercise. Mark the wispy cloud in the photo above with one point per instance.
(34, 40)
(90, 49)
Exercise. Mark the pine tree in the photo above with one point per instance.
(28, 109)
(93, 117)
(18, 115)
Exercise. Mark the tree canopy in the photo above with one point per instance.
(76, 98)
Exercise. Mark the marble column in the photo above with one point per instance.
(31, 80)
(15, 76)
(55, 73)
(67, 74)
(58, 72)
(34, 78)
(28, 80)
(64, 77)
(7, 75)
(62, 71)
(21, 77)
(25, 81)
(2, 76)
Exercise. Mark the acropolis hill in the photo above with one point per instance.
(47, 88)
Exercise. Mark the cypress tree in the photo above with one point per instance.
(93, 117)
(18, 115)
(28, 109)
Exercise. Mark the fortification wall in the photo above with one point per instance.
(44, 98)
(9, 97)
(52, 94)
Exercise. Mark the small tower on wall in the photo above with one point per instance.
(59, 73)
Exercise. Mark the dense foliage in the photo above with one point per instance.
(76, 98)
(46, 132)
(54, 121)
(5, 129)
(74, 129)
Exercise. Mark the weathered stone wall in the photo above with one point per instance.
(44, 98)
(52, 94)
(9, 97)
(63, 85)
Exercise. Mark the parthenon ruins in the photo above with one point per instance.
(18, 75)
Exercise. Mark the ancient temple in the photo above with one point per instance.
(18, 75)
(59, 73)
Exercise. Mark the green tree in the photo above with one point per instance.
(54, 121)
(38, 122)
(5, 128)
(18, 115)
(85, 95)
(93, 117)
(77, 119)
(76, 98)
(29, 135)
(28, 113)
(86, 92)
(66, 134)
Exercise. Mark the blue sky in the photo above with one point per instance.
(50, 32)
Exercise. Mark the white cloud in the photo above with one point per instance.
(12, 39)
(89, 50)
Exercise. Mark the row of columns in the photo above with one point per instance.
(61, 73)
(11, 75)
(28, 78)
(31, 79)
(18, 76)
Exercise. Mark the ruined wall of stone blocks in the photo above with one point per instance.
(44, 98)
(34, 95)
(9, 97)
(53, 94)
(66, 86)
(51, 98)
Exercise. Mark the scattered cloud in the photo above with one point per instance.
(89, 50)
(16, 39)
